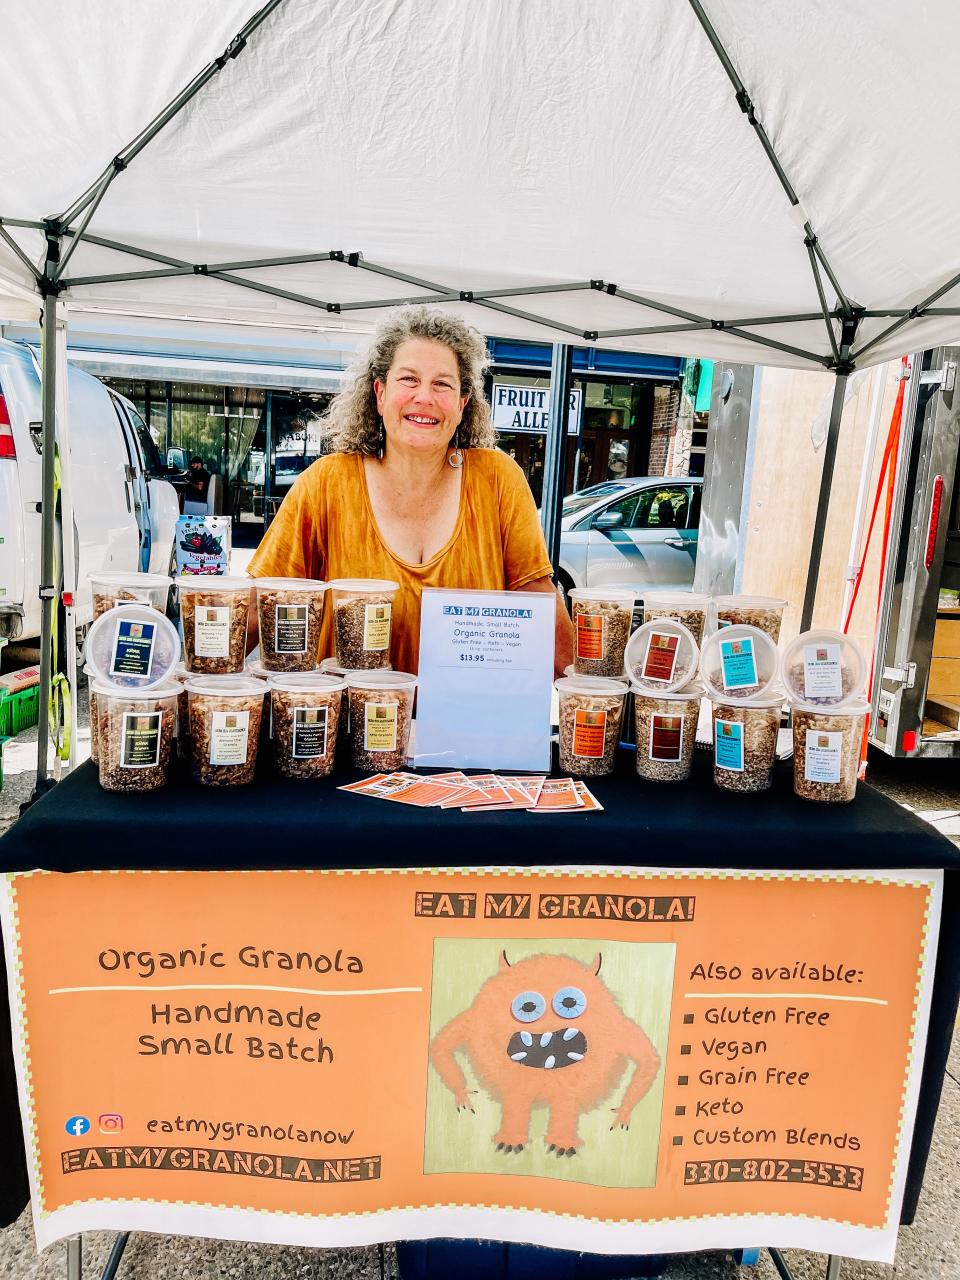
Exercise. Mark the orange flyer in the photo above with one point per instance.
(591, 636)
(612, 1059)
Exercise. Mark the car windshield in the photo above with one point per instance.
(587, 497)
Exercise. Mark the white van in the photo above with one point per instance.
(125, 512)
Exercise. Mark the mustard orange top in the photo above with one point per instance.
(325, 528)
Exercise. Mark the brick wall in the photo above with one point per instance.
(666, 404)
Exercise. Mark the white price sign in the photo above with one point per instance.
(486, 677)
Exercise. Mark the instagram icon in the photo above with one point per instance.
(110, 1122)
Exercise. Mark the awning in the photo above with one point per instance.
(228, 373)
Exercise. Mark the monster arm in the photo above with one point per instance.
(455, 1034)
(637, 1047)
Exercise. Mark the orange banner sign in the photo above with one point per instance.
(619, 1060)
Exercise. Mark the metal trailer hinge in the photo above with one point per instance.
(945, 378)
(903, 676)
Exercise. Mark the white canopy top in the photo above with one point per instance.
(492, 146)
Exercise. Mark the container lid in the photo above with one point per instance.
(113, 578)
(289, 584)
(362, 585)
(257, 670)
(855, 707)
(773, 697)
(824, 668)
(104, 690)
(132, 646)
(661, 656)
(212, 584)
(617, 594)
(596, 685)
(380, 679)
(227, 686)
(675, 599)
(330, 667)
(749, 602)
(306, 682)
(687, 694)
(738, 662)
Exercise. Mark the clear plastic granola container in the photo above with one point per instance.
(824, 668)
(684, 606)
(132, 647)
(182, 677)
(135, 729)
(745, 741)
(111, 588)
(363, 622)
(289, 613)
(764, 612)
(602, 618)
(661, 656)
(666, 732)
(591, 709)
(305, 712)
(91, 675)
(737, 663)
(827, 743)
(226, 713)
(213, 617)
(381, 712)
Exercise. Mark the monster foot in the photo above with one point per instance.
(562, 1142)
(511, 1139)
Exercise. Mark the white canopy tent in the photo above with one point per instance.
(756, 182)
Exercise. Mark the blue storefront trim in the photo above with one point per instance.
(624, 364)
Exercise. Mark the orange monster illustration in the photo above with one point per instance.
(546, 1031)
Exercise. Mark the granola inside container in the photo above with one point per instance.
(91, 675)
(824, 668)
(181, 676)
(132, 647)
(213, 616)
(764, 612)
(738, 663)
(661, 656)
(602, 618)
(590, 712)
(305, 714)
(135, 734)
(666, 730)
(381, 711)
(684, 606)
(289, 612)
(826, 750)
(112, 588)
(745, 742)
(225, 717)
(363, 622)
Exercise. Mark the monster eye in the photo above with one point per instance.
(569, 1002)
(528, 1006)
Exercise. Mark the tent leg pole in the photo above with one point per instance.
(48, 592)
(555, 448)
(75, 1258)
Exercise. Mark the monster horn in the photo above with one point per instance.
(504, 962)
(597, 962)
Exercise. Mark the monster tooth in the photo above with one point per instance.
(527, 1038)
(577, 1057)
(519, 1057)
(545, 1039)
(570, 1033)
(550, 1062)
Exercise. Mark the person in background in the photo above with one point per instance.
(195, 494)
(414, 490)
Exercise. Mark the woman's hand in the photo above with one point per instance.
(563, 634)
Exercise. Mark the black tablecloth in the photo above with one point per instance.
(278, 823)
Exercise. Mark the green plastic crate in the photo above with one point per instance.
(19, 711)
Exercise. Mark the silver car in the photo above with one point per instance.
(640, 531)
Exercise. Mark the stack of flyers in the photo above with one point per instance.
(481, 794)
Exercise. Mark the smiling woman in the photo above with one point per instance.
(415, 492)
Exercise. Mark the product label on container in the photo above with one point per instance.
(380, 726)
(822, 677)
(133, 649)
(589, 731)
(738, 664)
(229, 735)
(666, 738)
(728, 745)
(140, 744)
(309, 732)
(660, 660)
(591, 636)
(211, 631)
(824, 754)
(291, 628)
(376, 626)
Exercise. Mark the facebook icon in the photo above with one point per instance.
(77, 1126)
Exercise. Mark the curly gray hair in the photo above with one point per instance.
(352, 424)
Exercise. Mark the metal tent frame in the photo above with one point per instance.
(64, 232)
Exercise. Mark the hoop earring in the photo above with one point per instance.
(456, 458)
(381, 440)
